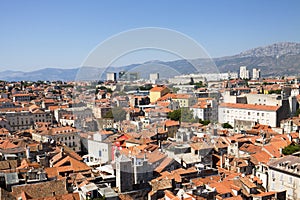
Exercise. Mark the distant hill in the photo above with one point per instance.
(279, 59)
(42, 74)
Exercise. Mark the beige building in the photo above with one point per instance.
(65, 135)
(158, 92)
(284, 175)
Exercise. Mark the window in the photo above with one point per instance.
(290, 180)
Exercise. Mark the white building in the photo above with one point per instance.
(154, 77)
(263, 114)
(184, 79)
(284, 175)
(111, 76)
(244, 73)
(206, 109)
(19, 120)
(100, 151)
(65, 135)
(256, 74)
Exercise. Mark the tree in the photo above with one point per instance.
(227, 125)
(297, 112)
(187, 115)
(109, 115)
(175, 115)
(275, 91)
(292, 148)
(117, 113)
(204, 122)
(146, 87)
(183, 115)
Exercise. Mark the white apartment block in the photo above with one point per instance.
(244, 73)
(263, 114)
(184, 79)
(256, 74)
(154, 77)
(111, 76)
(284, 175)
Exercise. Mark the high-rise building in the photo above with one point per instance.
(256, 74)
(111, 76)
(154, 77)
(121, 74)
(244, 73)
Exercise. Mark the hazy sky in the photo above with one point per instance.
(38, 34)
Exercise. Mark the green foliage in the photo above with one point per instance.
(175, 115)
(204, 122)
(297, 112)
(119, 114)
(183, 115)
(175, 90)
(196, 84)
(292, 148)
(226, 125)
(146, 87)
(109, 115)
(187, 115)
(275, 92)
(104, 88)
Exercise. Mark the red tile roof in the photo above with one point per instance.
(249, 106)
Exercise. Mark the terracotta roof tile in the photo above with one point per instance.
(249, 106)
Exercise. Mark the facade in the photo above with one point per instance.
(19, 120)
(111, 76)
(184, 100)
(244, 73)
(154, 77)
(124, 173)
(284, 174)
(268, 115)
(206, 109)
(158, 92)
(64, 135)
(185, 79)
(256, 74)
(21, 97)
(132, 171)
(100, 151)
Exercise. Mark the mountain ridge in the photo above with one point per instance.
(278, 59)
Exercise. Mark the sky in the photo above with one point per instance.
(62, 33)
